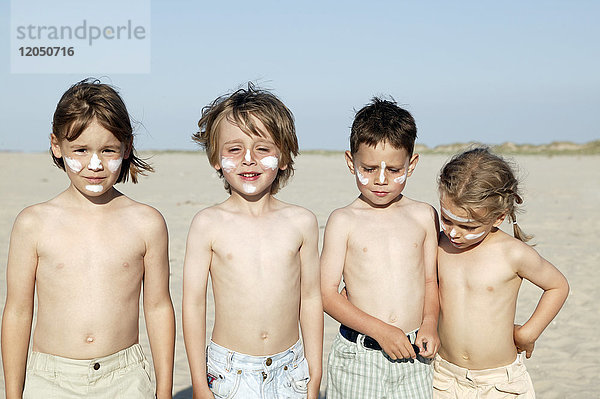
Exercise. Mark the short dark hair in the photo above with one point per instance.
(88, 101)
(383, 121)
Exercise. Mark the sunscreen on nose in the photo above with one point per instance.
(95, 163)
(382, 173)
(247, 157)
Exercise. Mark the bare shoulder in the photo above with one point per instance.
(423, 212)
(143, 215)
(207, 218)
(518, 253)
(33, 217)
(297, 215)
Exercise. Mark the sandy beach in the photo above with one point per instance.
(561, 208)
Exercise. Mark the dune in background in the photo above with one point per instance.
(561, 208)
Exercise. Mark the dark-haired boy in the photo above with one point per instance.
(384, 246)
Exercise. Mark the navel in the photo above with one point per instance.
(89, 339)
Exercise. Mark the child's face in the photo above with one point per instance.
(381, 171)
(461, 229)
(249, 163)
(93, 160)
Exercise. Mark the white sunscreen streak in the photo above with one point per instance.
(382, 173)
(228, 165)
(95, 188)
(114, 164)
(401, 179)
(247, 157)
(73, 164)
(453, 233)
(270, 162)
(95, 163)
(473, 236)
(457, 218)
(363, 180)
(249, 188)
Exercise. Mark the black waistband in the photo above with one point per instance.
(368, 342)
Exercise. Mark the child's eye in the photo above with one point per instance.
(368, 170)
(263, 149)
(394, 170)
(79, 150)
(234, 149)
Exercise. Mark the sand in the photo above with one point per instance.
(562, 197)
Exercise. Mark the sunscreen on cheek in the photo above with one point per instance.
(270, 162)
(228, 165)
(363, 180)
(401, 179)
(473, 236)
(73, 164)
(114, 164)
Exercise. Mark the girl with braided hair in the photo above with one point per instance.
(480, 270)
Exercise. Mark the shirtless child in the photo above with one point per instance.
(384, 245)
(262, 257)
(480, 271)
(88, 253)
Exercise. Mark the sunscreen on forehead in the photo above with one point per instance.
(95, 163)
(457, 218)
(73, 164)
(382, 173)
(228, 165)
(270, 162)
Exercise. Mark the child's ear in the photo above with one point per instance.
(412, 164)
(499, 220)
(349, 161)
(55, 146)
(127, 152)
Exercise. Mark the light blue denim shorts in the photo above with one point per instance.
(236, 375)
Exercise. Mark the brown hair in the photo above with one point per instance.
(88, 101)
(383, 121)
(239, 107)
(478, 179)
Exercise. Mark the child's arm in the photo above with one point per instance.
(428, 330)
(196, 266)
(158, 308)
(18, 309)
(542, 273)
(311, 307)
(392, 339)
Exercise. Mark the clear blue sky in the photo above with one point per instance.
(526, 72)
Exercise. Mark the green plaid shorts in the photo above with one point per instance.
(356, 372)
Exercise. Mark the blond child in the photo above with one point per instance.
(480, 270)
(383, 244)
(88, 253)
(262, 258)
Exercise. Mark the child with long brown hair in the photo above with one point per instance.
(480, 269)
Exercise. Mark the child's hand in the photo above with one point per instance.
(523, 342)
(427, 340)
(394, 342)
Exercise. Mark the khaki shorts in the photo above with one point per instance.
(451, 381)
(125, 374)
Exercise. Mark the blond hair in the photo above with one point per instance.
(239, 108)
(478, 179)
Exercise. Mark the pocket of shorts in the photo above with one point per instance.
(40, 384)
(223, 384)
(442, 384)
(514, 387)
(297, 376)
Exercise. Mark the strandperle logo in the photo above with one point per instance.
(84, 31)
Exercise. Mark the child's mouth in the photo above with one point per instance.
(249, 176)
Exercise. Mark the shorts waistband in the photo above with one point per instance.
(370, 343)
(96, 367)
(495, 375)
(232, 359)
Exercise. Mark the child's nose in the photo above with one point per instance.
(248, 157)
(95, 163)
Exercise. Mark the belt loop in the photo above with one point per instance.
(229, 364)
